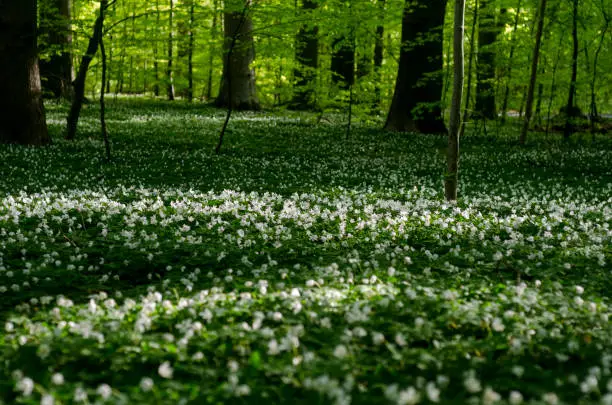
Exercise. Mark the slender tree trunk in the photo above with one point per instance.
(22, 115)
(452, 158)
(593, 113)
(79, 83)
(488, 31)
(418, 89)
(534, 72)
(209, 81)
(511, 60)
(169, 71)
(237, 70)
(466, 106)
(156, 52)
(570, 111)
(56, 70)
(190, 50)
(307, 58)
(379, 44)
(102, 105)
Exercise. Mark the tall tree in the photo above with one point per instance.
(56, 38)
(379, 43)
(488, 31)
(169, 71)
(343, 62)
(511, 58)
(534, 71)
(79, 82)
(22, 114)
(570, 111)
(307, 58)
(238, 81)
(416, 104)
(451, 180)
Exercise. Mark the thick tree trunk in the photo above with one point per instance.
(22, 115)
(238, 82)
(307, 58)
(534, 72)
(343, 62)
(79, 82)
(451, 180)
(488, 31)
(416, 104)
(56, 69)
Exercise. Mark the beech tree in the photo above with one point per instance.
(416, 104)
(238, 81)
(55, 38)
(452, 157)
(307, 58)
(488, 31)
(22, 114)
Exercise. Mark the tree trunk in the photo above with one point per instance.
(466, 106)
(238, 81)
(307, 58)
(169, 72)
(452, 157)
(156, 52)
(343, 62)
(534, 72)
(79, 82)
(570, 111)
(190, 50)
(485, 74)
(416, 104)
(211, 66)
(511, 58)
(379, 43)
(56, 69)
(22, 114)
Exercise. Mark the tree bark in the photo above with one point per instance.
(56, 38)
(452, 158)
(416, 104)
(307, 58)
(22, 114)
(79, 82)
(485, 74)
(169, 71)
(238, 76)
(511, 58)
(379, 44)
(534, 72)
(570, 112)
(343, 62)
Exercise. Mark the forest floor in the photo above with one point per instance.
(301, 267)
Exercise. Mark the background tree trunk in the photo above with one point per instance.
(488, 31)
(451, 180)
(379, 44)
(55, 34)
(418, 89)
(79, 82)
(238, 30)
(22, 114)
(169, 72)
(534, 72)
(570, 111)
(343, 62)
(307, 58)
